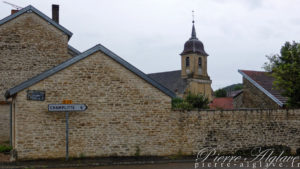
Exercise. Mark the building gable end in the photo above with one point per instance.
(261, 88)
(79, 57)
(39, 13)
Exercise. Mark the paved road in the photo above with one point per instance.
(175, 166)
(145, 166)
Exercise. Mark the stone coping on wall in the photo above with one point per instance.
(236, 110)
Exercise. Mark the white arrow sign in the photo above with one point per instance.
(67, 107)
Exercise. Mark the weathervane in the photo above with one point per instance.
(193, 16)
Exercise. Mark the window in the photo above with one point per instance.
(200, 66)
(200, 62)
(187, 61)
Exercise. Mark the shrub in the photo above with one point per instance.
(197, 101)
(176, 102)
(5, 148)
(137, 151)
(191, 101)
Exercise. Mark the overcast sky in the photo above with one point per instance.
(150, 34)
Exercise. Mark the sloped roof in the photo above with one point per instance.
(72, 51)
(237, 93)
(234, 93)
(264, 82)
(171, 80)
(39, 13)
(76, 59)
(225, 103)
(194, 45)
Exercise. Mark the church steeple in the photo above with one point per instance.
(193, 45)
(194, 32)
(194, 66)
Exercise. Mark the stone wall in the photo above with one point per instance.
(229, 131)
(238, 101)
(125, 113)
(28, 46)
(252, 97)
(4, 122)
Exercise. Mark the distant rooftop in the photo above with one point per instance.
(171, 80)
(264, 82)
(225, 103)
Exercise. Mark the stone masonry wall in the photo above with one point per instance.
(28, 46)
(238, 101)
(125, 113)
(229, 131)
(4, 122)
(254, 98)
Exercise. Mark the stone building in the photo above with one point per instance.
(122, 101)
(39, 68)
(193, 76)
(29, 43)
(259, 91)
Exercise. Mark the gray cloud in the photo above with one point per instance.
(150, 34)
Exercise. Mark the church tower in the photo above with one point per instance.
(194, 66)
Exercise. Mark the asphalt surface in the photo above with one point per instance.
(144, 166)
(145, 163)
(188, 165)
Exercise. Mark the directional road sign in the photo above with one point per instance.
(66, 107)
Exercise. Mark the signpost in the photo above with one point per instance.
(67, 135)
(67, 107)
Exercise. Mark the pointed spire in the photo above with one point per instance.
(193, 29)
(193, 32)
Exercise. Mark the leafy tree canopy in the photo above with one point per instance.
(190, 101)
(220, 93)
(285, 68)
(237, 87)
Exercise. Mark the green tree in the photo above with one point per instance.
(237, 87)
(285, 68)
(191, 101)
(220, 93)
(198, 101)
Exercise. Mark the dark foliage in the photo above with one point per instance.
(191, 101)
(220, 93)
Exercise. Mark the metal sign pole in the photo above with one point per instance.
(67, 136)
(67, 107)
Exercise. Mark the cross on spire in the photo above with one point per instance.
(193, 16)
(193, 29)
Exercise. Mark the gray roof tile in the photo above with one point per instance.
(171, 80)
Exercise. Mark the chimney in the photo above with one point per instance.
(55, 13)
(14, 11)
